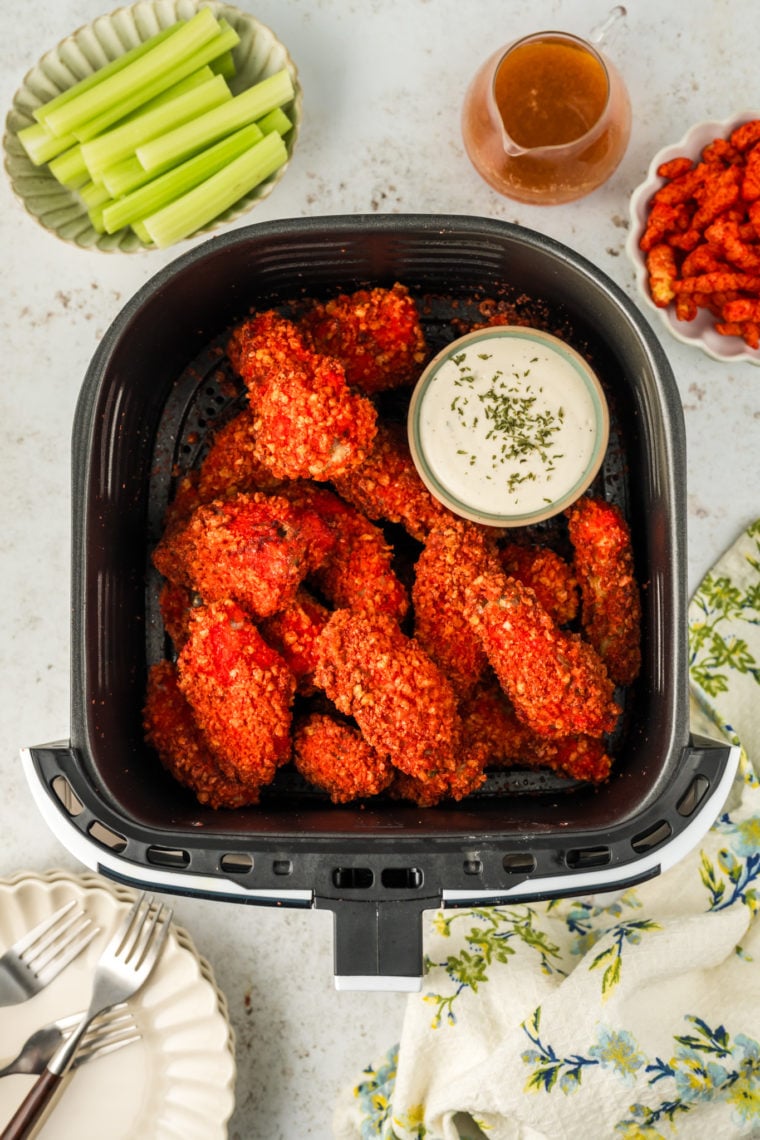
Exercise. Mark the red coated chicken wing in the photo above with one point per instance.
(375, 333)
(181, 747)
(240, 692)
(402, 702)
(253, 547)
(335, 757)
(556, 682)
(611, 606)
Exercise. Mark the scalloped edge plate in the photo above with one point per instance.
(177, 1080)
(59, 210)
(700, 332)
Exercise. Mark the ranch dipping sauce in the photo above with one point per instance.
(508, 425)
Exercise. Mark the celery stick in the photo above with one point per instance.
(244, 108)
(158, 192)
(225, 65)
(226, 39)
(164, 62)
(41, 145)
(205, 202)
(142, 233)
(126, 176)
(189, 83)
(90, 81)
(275, 120)
(95, 214)
(94, 194)
(121, 141)
(69, 168)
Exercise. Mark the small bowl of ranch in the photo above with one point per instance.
(508, 426)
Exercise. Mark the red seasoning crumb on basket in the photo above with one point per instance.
(702, 236)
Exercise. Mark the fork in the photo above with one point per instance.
(122, 969)
(107, 1033)
(38, 957)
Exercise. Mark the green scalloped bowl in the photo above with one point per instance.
(60, 211)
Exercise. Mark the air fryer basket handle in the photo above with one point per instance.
(378, 943)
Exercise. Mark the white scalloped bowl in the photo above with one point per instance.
(700, 332)
(60, 211)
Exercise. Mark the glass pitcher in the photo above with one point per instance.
(547, 119)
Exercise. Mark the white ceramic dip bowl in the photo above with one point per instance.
(508, 426)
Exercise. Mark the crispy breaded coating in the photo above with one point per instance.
(254, 548)
(547, 574)
(556, 682)
(240, 692)
(264, 342)
(611, 606)
(181, 747)
(402, 702)
(231, 463)
(375, 333)
(455, 553)
(386, 486)
(490, 720)
(307, 422)
(175, 603)
(448, 784)
(357, 573)
(335, 757)
(293, 632)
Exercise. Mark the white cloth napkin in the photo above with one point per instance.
(617, 1017)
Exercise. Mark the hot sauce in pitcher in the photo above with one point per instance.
(547, 119)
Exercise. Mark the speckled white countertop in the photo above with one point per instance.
(383, 82)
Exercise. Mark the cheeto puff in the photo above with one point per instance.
(240, 692)
(335, 757)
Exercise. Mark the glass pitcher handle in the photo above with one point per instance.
(600, 34)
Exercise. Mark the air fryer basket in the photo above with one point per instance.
(157, 384)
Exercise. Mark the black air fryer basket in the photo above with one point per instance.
(156, 386)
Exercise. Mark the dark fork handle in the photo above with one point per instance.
(32, 1106)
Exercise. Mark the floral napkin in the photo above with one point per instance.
(630, 1016)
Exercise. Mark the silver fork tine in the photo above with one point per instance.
(63, 951)
(28, 941)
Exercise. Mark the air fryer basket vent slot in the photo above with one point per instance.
(582, 857)
(67, 796)
(652, 837)
(106, 837)
(693, 796)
